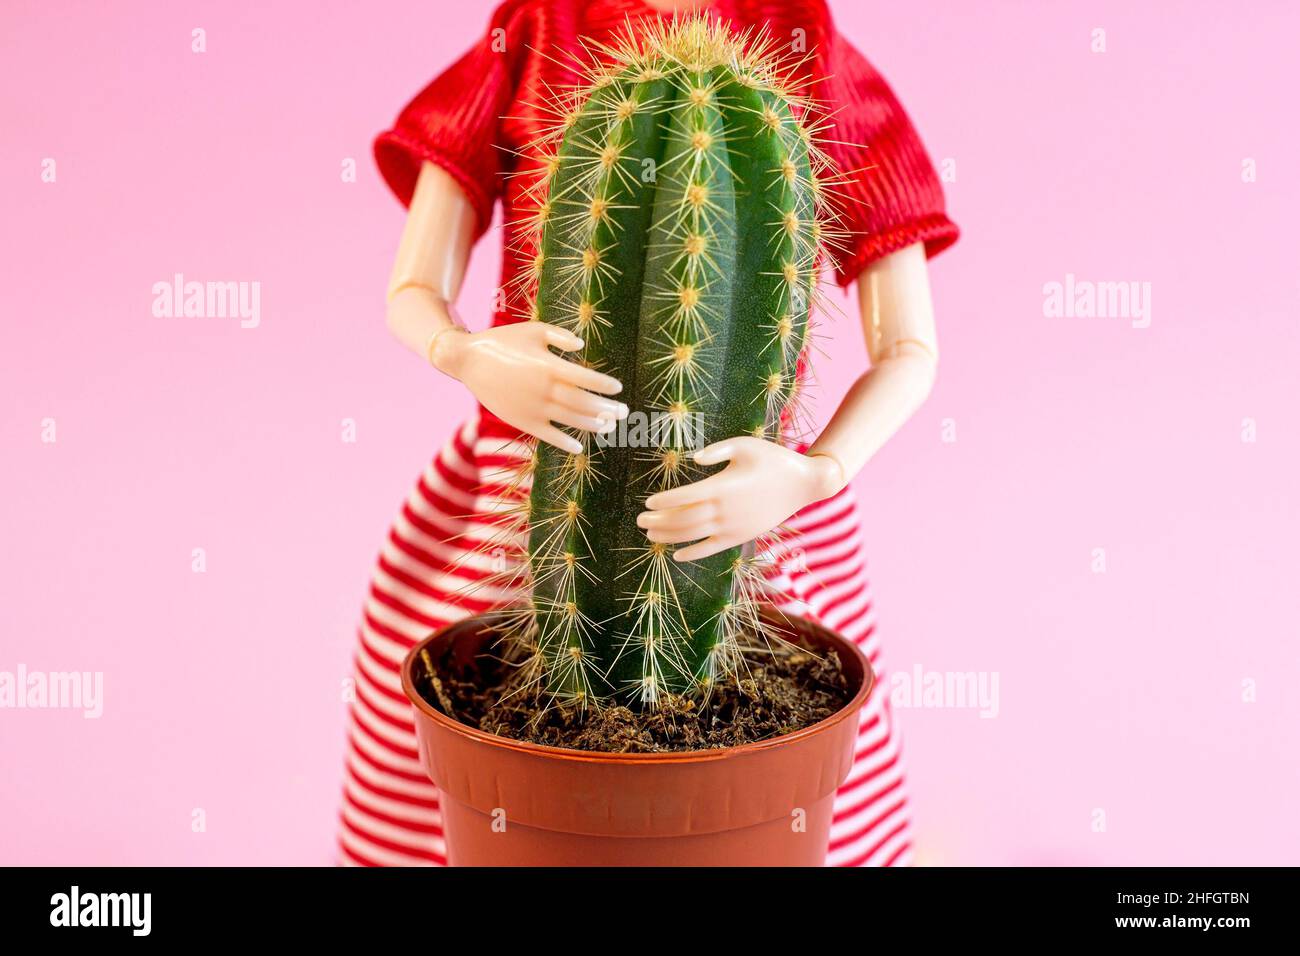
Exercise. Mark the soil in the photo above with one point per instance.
(785, 689)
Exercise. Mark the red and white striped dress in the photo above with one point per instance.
(467, 121)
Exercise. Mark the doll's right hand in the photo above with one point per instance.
(512, 371)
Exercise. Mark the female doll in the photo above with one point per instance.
(447, 158)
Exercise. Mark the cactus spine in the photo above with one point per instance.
(679, 236)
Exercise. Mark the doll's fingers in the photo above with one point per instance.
(708, 547)
(680, 524)
(585, 403)
(719, 451)
(587, 423)
(700, 515)
(582, 377)
(562, 339)
(692, 532)
(553, 436)
(694, 493)
(695, 552)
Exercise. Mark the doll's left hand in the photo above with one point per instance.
(763, 485)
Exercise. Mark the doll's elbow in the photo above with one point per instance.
(919, 363)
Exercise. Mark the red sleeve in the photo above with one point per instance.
(454, 121)
(890, 195)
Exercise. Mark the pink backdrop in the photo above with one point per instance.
(1146, 713)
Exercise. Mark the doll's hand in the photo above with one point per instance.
(763, 485)
(513, 372)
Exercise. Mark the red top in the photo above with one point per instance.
(490, 102)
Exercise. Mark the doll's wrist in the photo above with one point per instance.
(829, 476)
(445, 349)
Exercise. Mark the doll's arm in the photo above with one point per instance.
(510, 369)
(764, 483)
(898, 322)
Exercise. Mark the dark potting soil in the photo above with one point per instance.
(784, 689)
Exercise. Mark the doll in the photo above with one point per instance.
(447, 158)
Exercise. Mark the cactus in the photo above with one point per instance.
(680, 223)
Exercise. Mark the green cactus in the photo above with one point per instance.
(680, 237)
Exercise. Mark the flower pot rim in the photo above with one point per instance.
(850, 709)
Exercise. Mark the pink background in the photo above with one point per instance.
(1120, 691)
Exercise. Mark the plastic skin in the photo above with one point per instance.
(512, 371)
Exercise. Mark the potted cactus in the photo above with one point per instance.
(679, 232)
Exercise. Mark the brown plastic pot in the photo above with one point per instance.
(509, 803)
